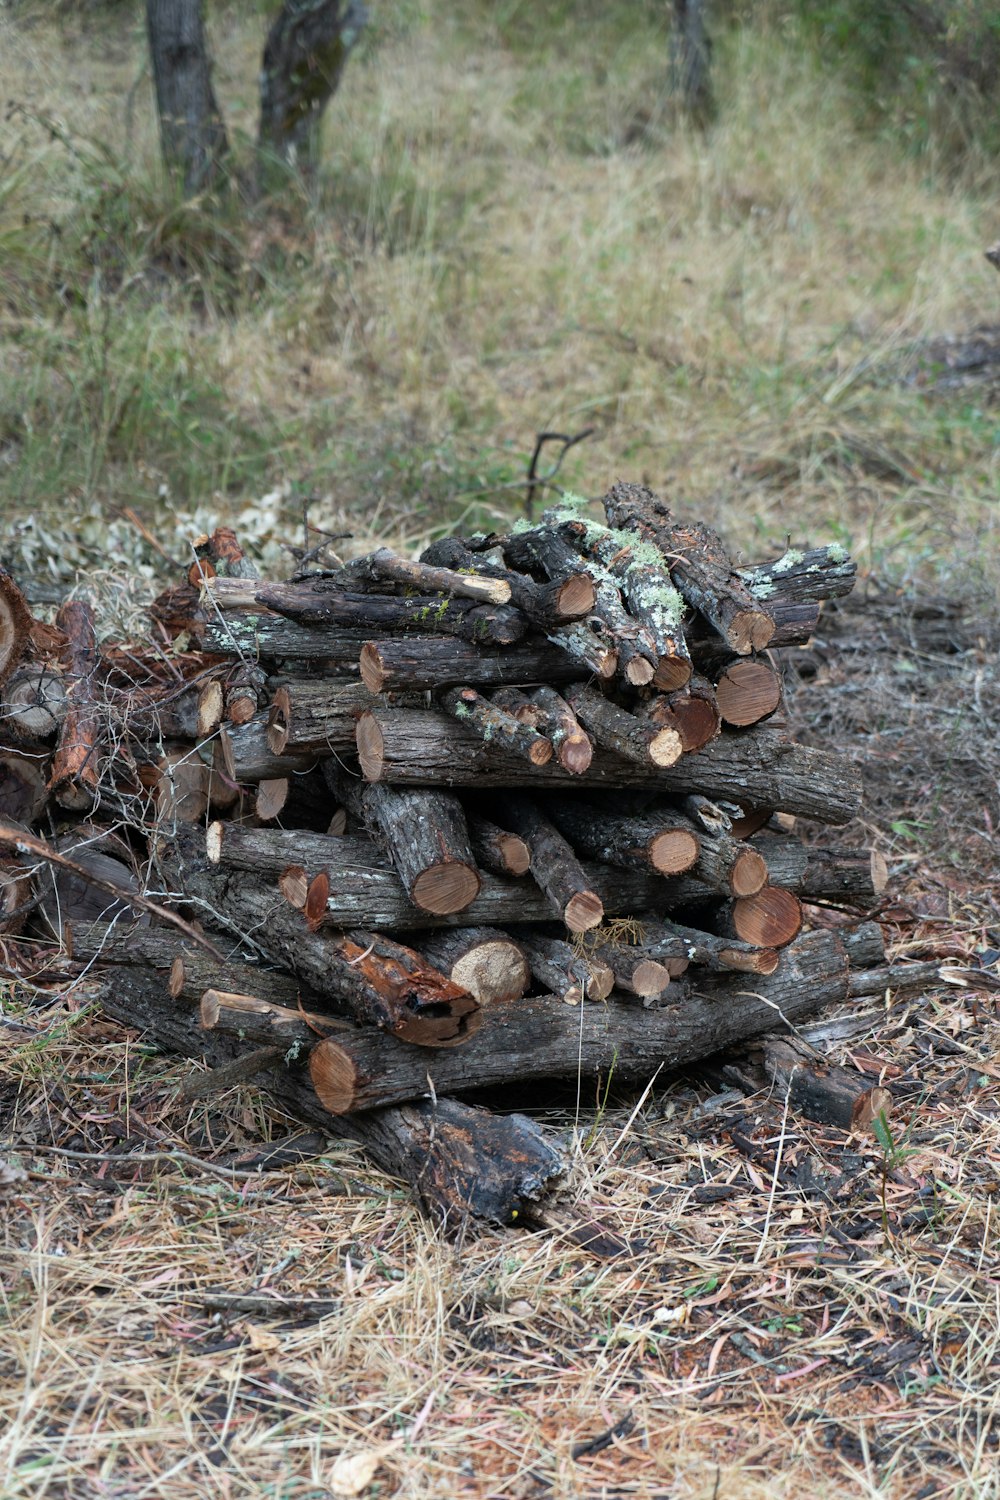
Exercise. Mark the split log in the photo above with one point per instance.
(803, 577)
(759, 767)
(15, 625)
(559, 723)
(724, 863)
(748, 692)
(74, 781)
(642, 574)
(538, 1038)
(33, 703)
(430, 614)
(24, 789)
(700, 567)
(571, 974)
(427, 579)
(497, 728)
(665, 843)
(543, 548)
(617, 730)
(424, 834)
(823, 874)
(497, 850)
(460, 1161)
(667, 941)
(482, 960)
(691, 710)
(415, 663)
(770, 919)
(545, 605)
(378, 981)
(554, 865)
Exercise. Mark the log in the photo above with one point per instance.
(430, 614)
(74, 781)
(540, 1038)
(181, 785)
(482, 960)
(15, 625)
(554, 865)
(415, 663)
(748, 692)
(691, 710)
(542, 548)
(662, 842)
(667, 940)
(642, 574)
(24, 789)
(495, 849)
(803, 577)
(378, 981)
(701, 569)
(725, 864)
(559, 723)
(636, 970)
(621, 732)
(211, 705)
(256, 635)
(760, 767)
(571, 974)
(271, 798)
(424, 834)
(588, 647)
(545, 605)
(16, 889)
(241, 753)
(317, 718)
(33, 703)
(461, 1162)
(824, 874)
(266, 1025)
(245, 691)
(770, 919)
(496, 727)
(819, 1089)
(427, 579)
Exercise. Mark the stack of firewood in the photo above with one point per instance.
(521, 809)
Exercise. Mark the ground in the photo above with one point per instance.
(767, 322)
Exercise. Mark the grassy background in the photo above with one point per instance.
(512, 232)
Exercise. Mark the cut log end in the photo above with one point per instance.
(880, 872)
(493, 972)
(272, 794)
(754, 961)
(540, 751)
(575, 597)
(371, 747)
(293, 884)
(748, 692)
(650, 978)
(211, 703)
(750, 630)
(673, 851)
(213, 842)
(516, 854)
(279, 718)
(335, 1077)
(316, 898)
(666, 748)
(770, 919)
(697, 722)
(370, 665)
(175, 984)
(445, 888)
(640, 672)
(749, 873)
(672, 672)
(583, 911)
(575, 754)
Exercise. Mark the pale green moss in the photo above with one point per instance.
(761, 588)
(463, 711)
(838, 553)
(293, 1053)
(791, 559)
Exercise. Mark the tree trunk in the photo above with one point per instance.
(192, 134)
(691, 56)
(303, 60)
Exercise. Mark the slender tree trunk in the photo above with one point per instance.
(192, 133)
(691, 54)
(304, 57)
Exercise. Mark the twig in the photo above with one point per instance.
(534, 478)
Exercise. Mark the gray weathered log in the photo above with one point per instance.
(545, 604)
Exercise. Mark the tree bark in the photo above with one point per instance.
(192, 134)
(15, 625)
(75, 776)
(546, 605)
(691, 50)
(415, 663)
(661, 842)
(304, 58)
(497, 850)
(497, 727)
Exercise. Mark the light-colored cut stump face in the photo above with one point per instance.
(666, 748)
(241, 706)
(211, 701)
(583, 911)
(650, 978)
(749, 873)
(640, 671)
(293, 884)
(213, 842)
(540, 752)
(673, 851)
(334, 1077)
(34, 703)
(748, 692)
(372, 674)
(516, 854)
(279, 720)
(177, 977)
(602, 980)
(493, 972)
(445, 889)
(768, 920)
(751, 630)
(370, 747)
(672, 672)
(271, 798)
(576, 597)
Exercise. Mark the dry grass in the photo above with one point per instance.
(511, 235)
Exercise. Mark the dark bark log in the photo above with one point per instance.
(496, 727)
(380, 982)
(424, 834)
(643, 576)
(760, 767)
(554, 865)
(724, 863)
(661, 842)
(427, 579)
(748, 692)
(571, 975)
(667, 940)
(558, 722)
(75, 777)
(803, 577)
(24, 788)
(637, 971)
(256, 635)
(545, 605)
(541, 1038)
(461, 1162)
(847, 877)
(701, 568)
(242, 753)
(544, 549)
(621, 732)
(898, 978)
(482, 960)
(770, 919)
(692, 711)
(794, 625)
(192, 135)
(304, 58)
(415, 663)
(32, 703)
(315, 718)
(496, 849)
(820, 1090)
(16, 889)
